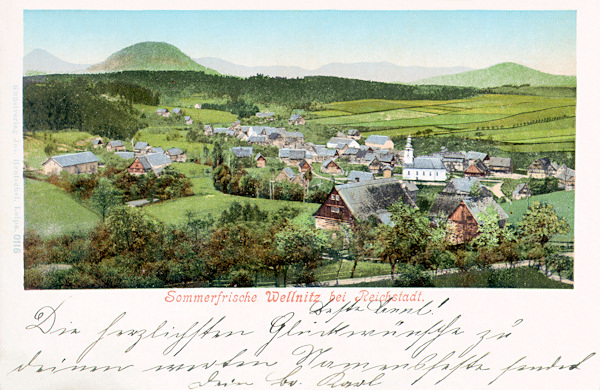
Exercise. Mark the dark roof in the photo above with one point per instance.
(353, 132)
(377, 139)
(351, 151)
(152, 160)
(294, 154)
(545, 163)
(523, 187)
(503, 162)
(479, 165)
(461, 185)
(242, 151)
(174, 152)
(410, 186)
(360, 176)
(273, 136)
(444, 204)
(115, 143)
(327, 162)
(67, 160)
(259, 156)
(426, 162)
(386, 158)
(140, 145)
(288, 171)
(257, 138)
(373, 197)
(481, 206)
(125, 155)
(97, 141)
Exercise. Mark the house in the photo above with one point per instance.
(286, 174)
(293, 139)
(464, 221)
(296, 119)
(156, 149)
(198, 106)
(379, 141)
(208, 130)
(177, 111)
(542, 168)
(276, 139)
(387, 171)
(375, 166)
(261, 161)
(340, 143)
(257, 140)
(176, 155)
(188, 120)
(477, 169)
(242, 151)
(324, 153)
(424, 168)
(304, 166)
(97, 143)
(453, 161)
(154, 162)
(141, 148)
(115, 146)
(331, 167)
(125, 155)
(354, 134)
(455, 192)
(499, 165)
(348, 203)
(163, 112)
(75, 164)
(359, 176)
(471, 156)
(292, 157)
(566, 178)
(521, 191)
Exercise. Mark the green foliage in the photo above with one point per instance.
(412, 276)
(238, 107)
(105, 197)
(541, 223)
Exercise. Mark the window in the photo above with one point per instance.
(335, 209)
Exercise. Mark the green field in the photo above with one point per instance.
(521, 123)
(564, 206)
(50, 211)
(204, 115)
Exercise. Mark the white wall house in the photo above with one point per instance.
(425, 168)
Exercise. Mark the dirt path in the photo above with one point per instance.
(497, 190)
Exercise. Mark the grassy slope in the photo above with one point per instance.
(502, 74)
(51, 211)
(563, 202)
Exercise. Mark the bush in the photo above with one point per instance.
(241, 278)
(412, 276)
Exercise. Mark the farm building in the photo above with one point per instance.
(257, 140)
(125, 155)
(188, 120)
(141, 148)
(292, 157)
(154, 162)
(455, 192)
(464, 221)
(453, 161)
(208, 130)
(375, 166)
(261, 161)
(97, 143)
(566, 178)
(340, 143)
(198, 106)
(296, 119)
(163, 112)
(424, 168)
(322, 153)
(359, 176)
(354, 134)
(177, 111)
(379, 141)
(242, 151)
(304, 166)
(176, 155)
(293, 139)
(276, 139)
(500, 165)
(75, 164)
(360, 201)
(477, 169)
(115, 146)
(331, 167)
(286, 174)
(542, 168)
(472, 156)
(387, 171)
(521, 191)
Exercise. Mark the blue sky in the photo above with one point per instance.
(544, 40)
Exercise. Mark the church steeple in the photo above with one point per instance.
(408, 152)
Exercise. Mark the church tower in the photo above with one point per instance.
(408, 152)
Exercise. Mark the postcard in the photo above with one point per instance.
(299, 196)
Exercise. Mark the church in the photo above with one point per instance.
(422, 168)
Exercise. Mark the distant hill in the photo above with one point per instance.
(41, 62)
(373, 71)
(149, 56)
(507, 73)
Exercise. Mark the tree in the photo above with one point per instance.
(539, 225)
(300, 244)
(105, 197)
(406, 240)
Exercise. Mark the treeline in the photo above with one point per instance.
(77, 104)
(294, 93)
(238, 107)
(130, 92)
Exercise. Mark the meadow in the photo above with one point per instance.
(517, 123)
(50, 211)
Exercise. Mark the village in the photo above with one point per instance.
(383, 175)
